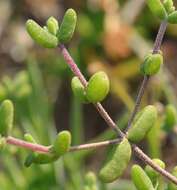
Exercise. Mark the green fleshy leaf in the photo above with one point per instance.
(67, 27)
(40, 35)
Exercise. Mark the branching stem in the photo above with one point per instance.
(69, 60)
(106, 116)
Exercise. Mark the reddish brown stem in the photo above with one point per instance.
(46, 149)
(27, 145)
(106, 116)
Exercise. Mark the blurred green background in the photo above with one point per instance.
(111, 35)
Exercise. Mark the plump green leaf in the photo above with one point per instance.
(28, 137)
(142, 123)
(62, 143)
(67, 27)
(151, 172)
(78, 90)
(52, 25)
(170, 117)
(151, 64)
(117, 162)
(157, 8)
(6, 117)
(98, 87)
(140, 178)
(168, 4)
(40, 35)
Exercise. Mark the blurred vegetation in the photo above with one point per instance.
(113, 36)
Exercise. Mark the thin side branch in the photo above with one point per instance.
(156, 48)
(46, 149)
(94, 145)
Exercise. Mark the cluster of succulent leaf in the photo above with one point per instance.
(143, 178)
(148, 178)
(121, 153)
(163, 10)
(96, 90)
(60, 146)
(52, 34)
(152, 64)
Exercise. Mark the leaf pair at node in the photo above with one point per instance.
(52, 34)
(96, 90)
(147, 179)
(152, 63)
(60, 146)
(164, 10)
(118, 160)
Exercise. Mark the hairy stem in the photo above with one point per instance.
(156, 48)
